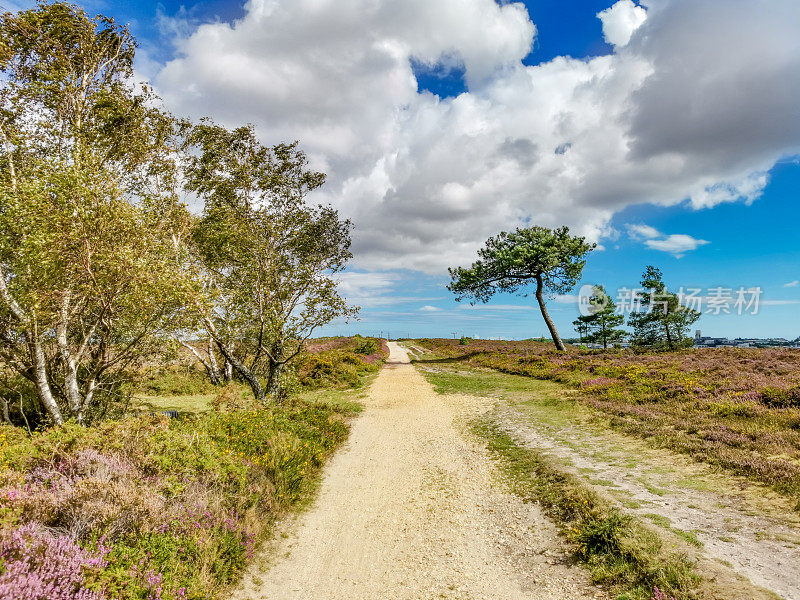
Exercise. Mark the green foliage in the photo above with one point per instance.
(181, 503)
(464, 341)
(89, 250)
(267, 256)
(551, 258)
(663, 322)
(368, 346)
(599, 326)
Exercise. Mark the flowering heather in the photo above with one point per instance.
(736, 408)
(598, 382)
(37, 564)
(659, 595)
(152, 508)
(337, 363)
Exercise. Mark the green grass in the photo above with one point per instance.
(196, 403)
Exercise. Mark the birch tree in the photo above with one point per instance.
(90, 227)
(268, 255)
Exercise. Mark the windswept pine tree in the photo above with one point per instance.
(552, 259)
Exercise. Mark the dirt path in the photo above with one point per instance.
(411, 510)
(743, 525)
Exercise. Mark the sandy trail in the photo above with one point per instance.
(411, 509)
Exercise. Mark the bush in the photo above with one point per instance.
(175, 507)
(464, 341)
(602, 535)
(368, 346)
(781, 397)
(36, 564)
(176, 381)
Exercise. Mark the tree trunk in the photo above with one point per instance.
(31, 337)
(274, 381)
(6, 416)
(211, 367)
(246, 373)
(74, 399)
(669, 336)
(550, 325)
(213, 370)
(43, 385)
(275, 368)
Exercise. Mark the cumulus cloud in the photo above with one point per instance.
(620, 21)
(794, 283)
(642, 231)
(676, 244)
(698, 104)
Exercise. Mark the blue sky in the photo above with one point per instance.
(744, 242)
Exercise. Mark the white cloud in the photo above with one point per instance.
(359, 285)
(677, 244)
(429, 308)
(794, 283)
(685, 110)
(642, 231)
(620, 21)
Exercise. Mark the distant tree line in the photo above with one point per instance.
(101, 262)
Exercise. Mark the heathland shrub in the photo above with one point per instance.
(368, 346)
(175, 381)
(342, 362)
(37, 564)
(781, 397)
(147, 507)
(735, 408)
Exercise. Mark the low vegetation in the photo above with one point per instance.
(622, 554)
(147, 507)
(734, 408)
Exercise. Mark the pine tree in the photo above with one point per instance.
(600, 325)
(662, 321)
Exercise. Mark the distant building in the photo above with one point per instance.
(702, 341)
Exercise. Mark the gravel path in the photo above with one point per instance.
(412, 509)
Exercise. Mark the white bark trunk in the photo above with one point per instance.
(71, 387)
(37, 353)
(43, 385)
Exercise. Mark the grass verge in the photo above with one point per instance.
(621, 553)
(737, 409)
